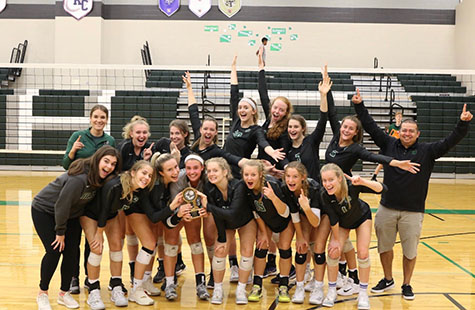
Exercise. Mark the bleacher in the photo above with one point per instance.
(164, 79)
(431, 83)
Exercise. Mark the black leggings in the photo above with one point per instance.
(44, 225)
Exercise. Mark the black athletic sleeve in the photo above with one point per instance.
(327, 209)
(379, 136)
(364, 154)
(364, 189)
(234, 101)
(264, 96)
(317, 134)
(260, 137)
(230, 158)
(110, 195)
(195, 120)
(334, 123)
(441, 147)
(153, 207)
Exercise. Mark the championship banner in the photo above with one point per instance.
(78, 8)
(169, 7)
(3, 4)
(199, 7)
(229, 7)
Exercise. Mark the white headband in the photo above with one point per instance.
(195, 157)
(249, 101)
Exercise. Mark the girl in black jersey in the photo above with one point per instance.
(302, 195)
(244, 133)
(55, 212)
(179, 141)
(220, 191)
(346, 211)
(264, 196)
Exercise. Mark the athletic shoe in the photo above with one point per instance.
(118, 297)
(74, 286)
(138, 296)
(299, 295)
(383, 285)
(284, 294)
(68, 301)
(330, 299)
(310, 286)
(270, 270)
(340, 280)
(94, 300)
(234, 277)
(164, 283)
(276, 279)
(149, 288)
(292, 274)
(110, 287)
(179, 268)
(308, 274)
(217, 298)
(255, 294)
(132, 271)
(86, 284)
(160, 275)
(349, 288)
(43, 302)
(363, 301)
(201, 292)
(407, 292)
(170, 292)
(316, 296)
(241, 297)
(210, 284)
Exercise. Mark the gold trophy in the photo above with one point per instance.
(190, 195)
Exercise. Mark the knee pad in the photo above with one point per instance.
(159, 241)
(364, 262)
(285, 254)
(144, 256)
(196, 248)
(246, 263)
(170, 250)
(332, 262)
(348, 246)
(311, 246)
(218, 263)
(275, 237)
(300, 259)
(132, 240)
(260, 253)
(210, 250)
(319, 258)
(116, 256)
(94, 259)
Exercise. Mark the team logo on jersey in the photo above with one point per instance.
(3, 4)
(297, 157)
(87, 195)
(78, 8)
(237, 134)
(229, 7)
(199, 7)
(169, 7)
(259, 206)
(333, 153)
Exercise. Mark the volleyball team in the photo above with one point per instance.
(145, 192)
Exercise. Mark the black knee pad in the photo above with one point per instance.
(260, 253)
(285, 254)
(319, 258)
(300, 259)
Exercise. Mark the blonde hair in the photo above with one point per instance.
(260, 169)
(303, 173)
(339, 173)
(129, 127)
(222, 163)
(158, 161)
(126, 179)
(281, 126)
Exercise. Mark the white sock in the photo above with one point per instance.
(170, 280)
(241, 286)
(319, 283)
(218, 285)
(137, 282)
(92, 281)
(146, 275)
(300, 284)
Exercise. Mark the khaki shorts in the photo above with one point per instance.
(388, 222)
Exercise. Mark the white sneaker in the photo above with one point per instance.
(349, 288)
(234, 277)
(43, 302)
(68, 301)
(340, 280)
(310, 286)
(149, 288)
(330, 299)
(316, 296)
(118, 297)
(138, 296)
(241, 297)
(363, 301)
(217, 298)
(308, 274)
(94, 300)
(299, 295)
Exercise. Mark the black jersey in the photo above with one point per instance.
(242, 141)
(351, 212)
(163, 146)
(224, 215)
(127, 153)
(159, 207)
(110, 202)
(313, 196)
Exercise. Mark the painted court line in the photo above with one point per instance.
(448, 259)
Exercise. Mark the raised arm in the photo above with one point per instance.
(234, 89)
(192, 106)
(262, 87)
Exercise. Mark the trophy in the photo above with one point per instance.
(190, 195)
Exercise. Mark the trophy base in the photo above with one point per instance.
(195, 213)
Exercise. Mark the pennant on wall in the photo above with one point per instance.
(169, 7)
(3, 4)
(199, 7)
(229, 7)
(78, 8)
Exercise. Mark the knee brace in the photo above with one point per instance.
(218, 263)
(348, 246)
(94, 259)
(332, 262)
(311, 246)
(275, 237)
(364, 262)
(159, 241)
(144, 256)
(170, 250)
(285, 254)
(300, 259)
(115, 256)
(319, 258)
(196, 248)
(260, 253)
(132, 240)
(246, 263)
(210, 251)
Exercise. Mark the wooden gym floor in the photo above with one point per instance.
(444, 277)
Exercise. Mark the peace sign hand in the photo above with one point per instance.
(357, 99)
(466, 116)
(147, 153)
